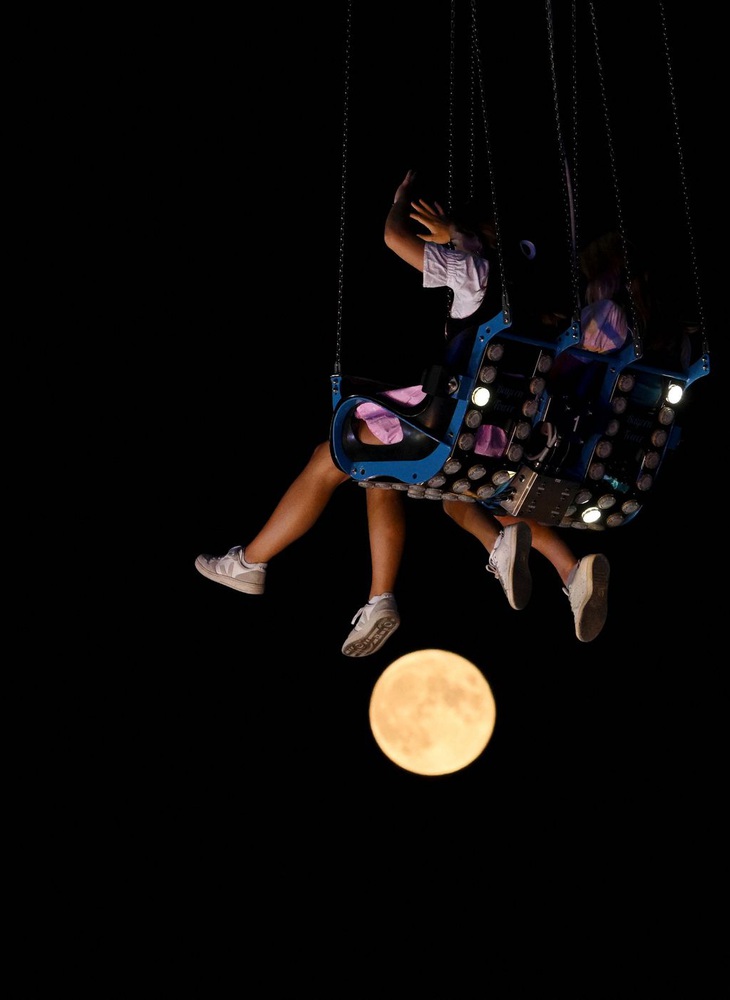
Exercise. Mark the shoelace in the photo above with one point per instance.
(359, 614)
(566, 588)
(491, 567)
(364, 608)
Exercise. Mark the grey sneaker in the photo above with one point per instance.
(374, 623)
(509, 563)
(232, 570)
(588, 596)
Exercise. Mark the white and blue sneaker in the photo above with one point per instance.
(232, 570)
(374, 623)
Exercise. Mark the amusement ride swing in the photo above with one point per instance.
(597, 466)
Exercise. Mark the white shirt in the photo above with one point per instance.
(464, 273)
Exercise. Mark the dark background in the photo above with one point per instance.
(254, 714)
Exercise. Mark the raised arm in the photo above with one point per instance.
(400, 235)
(406, 241)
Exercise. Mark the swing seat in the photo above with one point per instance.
(582, 451)
(439, 435)
(422, 425)
(429, 430)
(614, 428)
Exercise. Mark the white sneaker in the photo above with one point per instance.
(374, 623)
(509, 563)
(232, 570)
(588, 596)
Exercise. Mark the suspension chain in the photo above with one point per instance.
(452, 91)
(569, 199)
(683, 181)
(477, 64)
(343, 189)
(636, 330)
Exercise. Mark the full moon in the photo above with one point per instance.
(432, 712)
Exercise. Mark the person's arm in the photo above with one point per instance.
(400, 236)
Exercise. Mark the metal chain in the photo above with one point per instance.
(452, 91)
(569, 209)
(571, 217)
(451, 119)
(683, 180)
(637, 333)
(471, 188)
(343, 188)
(575, 186)
(477, 64)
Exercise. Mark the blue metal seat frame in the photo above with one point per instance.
(596, 444)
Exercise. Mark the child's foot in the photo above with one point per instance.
(232, 570)
(509, 563)
(374, 623)
(588, 596)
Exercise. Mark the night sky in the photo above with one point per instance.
(261, 715)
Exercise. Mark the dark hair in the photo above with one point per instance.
(476, 217)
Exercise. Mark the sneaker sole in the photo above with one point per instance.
(595, 610)
(374, 639)
(521, 576)
(242, 586)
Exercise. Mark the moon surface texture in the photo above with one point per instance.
(432, 712)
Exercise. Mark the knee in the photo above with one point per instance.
(325, 466)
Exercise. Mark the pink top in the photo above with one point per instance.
(604, 326)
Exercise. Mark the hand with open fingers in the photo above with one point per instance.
(435, 219)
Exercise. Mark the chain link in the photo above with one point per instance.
(694, 266)
(570, 210)
(343, 189)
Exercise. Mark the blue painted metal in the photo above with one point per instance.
(597, 441)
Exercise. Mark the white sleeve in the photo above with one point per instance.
(464, 273)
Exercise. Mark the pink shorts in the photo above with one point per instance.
(490, 440)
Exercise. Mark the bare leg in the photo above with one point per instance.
(303, 503)
(387, 529)
(508, 548)
(299, 508)
(376, 621)
(476, 520)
